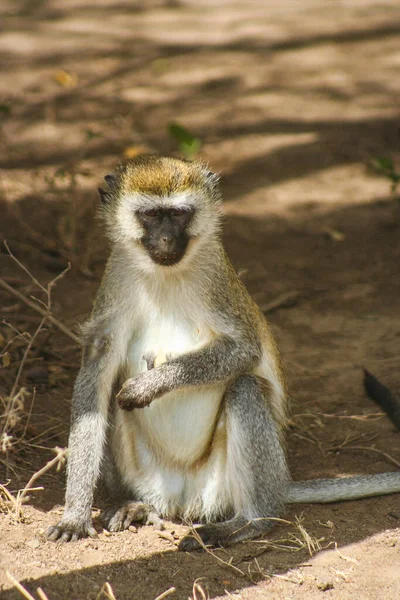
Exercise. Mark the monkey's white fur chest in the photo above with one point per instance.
(161, 445)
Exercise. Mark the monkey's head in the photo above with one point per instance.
(164, 209)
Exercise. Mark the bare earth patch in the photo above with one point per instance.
(291, 102)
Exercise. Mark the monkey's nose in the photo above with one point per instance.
(166, 243)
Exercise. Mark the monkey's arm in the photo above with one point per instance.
(223, 358)
(101, 358)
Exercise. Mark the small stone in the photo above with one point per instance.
(166, 535)
(324, 586)
(35, 543)
(132, 529)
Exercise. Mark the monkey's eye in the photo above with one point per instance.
(178, 212)
(152, 213)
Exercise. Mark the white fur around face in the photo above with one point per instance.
(205, 220)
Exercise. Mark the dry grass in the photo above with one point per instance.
(295, 541)
(106, 592)
(15, 415)
(228, 564)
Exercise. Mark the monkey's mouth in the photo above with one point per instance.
(166, 260)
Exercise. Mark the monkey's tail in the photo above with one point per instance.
(383, 396)
(347, 488)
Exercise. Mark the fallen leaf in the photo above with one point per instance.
(133, 151)
(66, 79)
(335, 235)
(6, 360)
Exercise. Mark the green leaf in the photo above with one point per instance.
(188, 144)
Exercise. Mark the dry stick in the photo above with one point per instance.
(59, 458)
(11, 397)
(19, 263)
(9, 497)
(167, 593)
(25, 356)
(47, 290)
(108, 591)
(197, 537)
(197, 587)
(370, 448)
(284, 300)
(40, 310)
(21, 589)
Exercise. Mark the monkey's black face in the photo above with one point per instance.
(166, 236)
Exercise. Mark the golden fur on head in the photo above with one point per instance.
(149, 181)
(163, 177)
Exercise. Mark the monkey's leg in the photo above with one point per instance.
(86, 446)
(122, 508)
(256, 464)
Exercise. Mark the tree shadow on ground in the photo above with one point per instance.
(351, 280)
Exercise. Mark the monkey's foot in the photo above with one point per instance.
(118, 518)
(204, 535)
(70, 532)
(222, 534)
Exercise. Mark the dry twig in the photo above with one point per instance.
(40, 310)
(209, 551)
(197, 587)
(24, 592)
(107, 591)
(58, 460)
(285, 300)
(372, 449)
(167, 593)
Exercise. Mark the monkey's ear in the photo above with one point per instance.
(104, 196)
(212, 178)
(213, 184)
(110, 179)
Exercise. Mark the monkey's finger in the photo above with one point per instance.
(125, 403)
(92, 533)
(126, 384)
(154, 519)
(53, 533)
(67, 536)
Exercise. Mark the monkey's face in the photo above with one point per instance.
(162, 210)
(166, 234)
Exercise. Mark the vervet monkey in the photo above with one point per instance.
(197, 429)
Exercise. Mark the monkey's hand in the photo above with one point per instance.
(66, 531)
(140, 391)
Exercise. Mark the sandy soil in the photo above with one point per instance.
(291, 101)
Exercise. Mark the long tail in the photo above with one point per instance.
(383, 396)
(347, 488)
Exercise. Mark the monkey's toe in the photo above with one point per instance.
(204, 535)
(121, 517)
(68, 532)
(189, 543)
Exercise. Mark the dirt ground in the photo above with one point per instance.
(291, 102)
